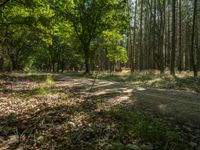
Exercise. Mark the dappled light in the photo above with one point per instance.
(47, 114)
(99, 75)
(140, 89)
(163, 108)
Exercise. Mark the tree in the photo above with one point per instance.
(130, 38)
(91, 18)
(134, 33)
(22, 24)
(192, 39)
(141, 35)
(173, 51)
(180, 36)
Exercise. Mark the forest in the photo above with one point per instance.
(100, 74)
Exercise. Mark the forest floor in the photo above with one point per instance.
(56, 111)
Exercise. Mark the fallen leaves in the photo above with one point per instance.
(62, 119)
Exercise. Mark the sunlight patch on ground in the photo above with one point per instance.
(78, 119)
(102, 84)
(126, 90)
(140, 89)
(100, 93)
(163, 108)
(119, 100)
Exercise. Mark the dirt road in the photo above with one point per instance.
(179, 109)
(178, 104)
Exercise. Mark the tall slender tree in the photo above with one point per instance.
(141, 34)
(193, 63)
(180, 37)
(173, 51)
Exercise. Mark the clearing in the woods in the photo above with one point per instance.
(54, 111)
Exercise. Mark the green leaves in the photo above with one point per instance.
(116, 52)
(57, 30)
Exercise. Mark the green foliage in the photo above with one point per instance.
(24, 29)
(90, 18)
(49, 79)
(28, 66)
(111, 42)
(56, 34)
(41, 91)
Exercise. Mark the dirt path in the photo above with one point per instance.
(179, 109)
(180, 104)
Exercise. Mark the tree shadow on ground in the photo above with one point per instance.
(86, 124)
(83, 127)
(22, 77)
(47, 128)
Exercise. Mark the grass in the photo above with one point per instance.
(41, 91)
(45, 88)
(146, 133)
(137, 131)
(182, 81)
(49, 79)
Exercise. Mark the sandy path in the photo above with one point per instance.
(178, 104)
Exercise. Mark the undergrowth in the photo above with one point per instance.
(182, 81)
(136, 130)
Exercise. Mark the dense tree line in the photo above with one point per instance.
(165, 34)
(58, 35)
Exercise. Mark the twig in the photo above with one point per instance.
(92, 86)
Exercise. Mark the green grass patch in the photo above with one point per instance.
(49, 79)
(41, 91)
(144, 132)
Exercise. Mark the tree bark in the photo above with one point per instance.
(141, 36)
(134, 34)
(1, 64)
(173, 51)
(87, 58)
(180, 36)
(192, 42)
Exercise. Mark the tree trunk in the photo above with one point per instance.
(1, 64)
(162, 31)
(134, 34)
(154, 35)
(192, 42)
(141, 36)
(87, 58)
(131, 50)
(180, 36)
(168, 38)
(173, 52)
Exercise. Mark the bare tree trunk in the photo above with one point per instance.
(192, 42)
(154, 36)
(1, 64)
(87, 58)
(173, 52)
(131, 50)
(162, 31)
(130, 47)
(168, 38)
(141, 36)
(134, 33)
(180, 36)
